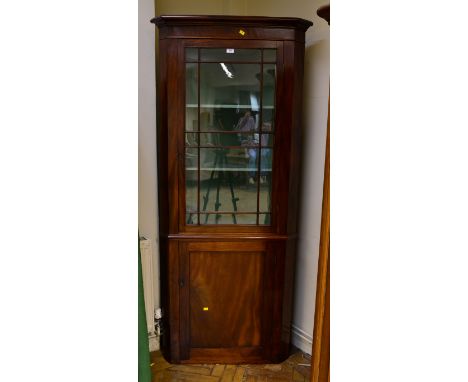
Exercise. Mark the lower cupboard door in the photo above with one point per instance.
(225, 299)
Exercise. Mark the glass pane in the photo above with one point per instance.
(268, 140)
(191, 54)
(191, 97)
(264, 219)
(205, 120)
(222, 137)
(230, 139)
(269, 55)
(191, 139)
(191, 218)
(191, 181)
(228, 179)
(269, 89)
(230, 54)
(230, 96)
(265, 180)
(228, 218)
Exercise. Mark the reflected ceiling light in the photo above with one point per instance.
(228, 73)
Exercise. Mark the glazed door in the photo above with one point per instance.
(229, 135)
(225, 299)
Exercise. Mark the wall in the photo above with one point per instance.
(147, 190)
(316, 83)
(200, 7)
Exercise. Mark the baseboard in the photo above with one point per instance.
(153, 343)
(301, 339)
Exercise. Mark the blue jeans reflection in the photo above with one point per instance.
(265, 163)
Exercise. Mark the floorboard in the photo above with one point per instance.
(296, 368)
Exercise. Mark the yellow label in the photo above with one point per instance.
(241, 32)
(205, 308)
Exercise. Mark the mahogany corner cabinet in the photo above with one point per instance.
(229, 148)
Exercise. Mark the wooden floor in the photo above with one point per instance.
(295, 368)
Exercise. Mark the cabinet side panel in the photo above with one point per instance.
(162, 139)
(173, 126)
(184, 301)
(164, 290)
(173, 311)
(163, 201)
(289, 265)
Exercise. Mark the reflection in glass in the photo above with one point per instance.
(265, 193)
(265, 180)
(228, 159)
(191, 139)
(191, 97)
(226, 99)
(217, 218)
(268, 109)
(264, 219)
(230, 54)
(241, 159)
(228, 179)
(191, 218)
(231, 139)
(191, 184)
(269, 55)
(268, 140)
(191, 54)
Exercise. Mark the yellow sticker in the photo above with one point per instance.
(241, 32)
(205, 308)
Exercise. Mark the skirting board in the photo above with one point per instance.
(301, 339)
(153, 343)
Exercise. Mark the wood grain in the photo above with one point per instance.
(227, 27)
(290, 370)
(233, 301)
(216, 20)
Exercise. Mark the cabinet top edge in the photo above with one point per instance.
(259, 21)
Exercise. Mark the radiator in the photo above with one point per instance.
(146, 248)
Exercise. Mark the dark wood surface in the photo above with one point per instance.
(229, 27)
(234, 315)
(324, 13)
(244, 274)
(217, 20)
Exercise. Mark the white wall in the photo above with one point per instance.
(316, 83)
(315, 106)
(147, 190)
(200, 7)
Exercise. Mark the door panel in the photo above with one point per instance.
(226, 299)
(229, 135)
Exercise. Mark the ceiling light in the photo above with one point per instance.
(228, 73)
